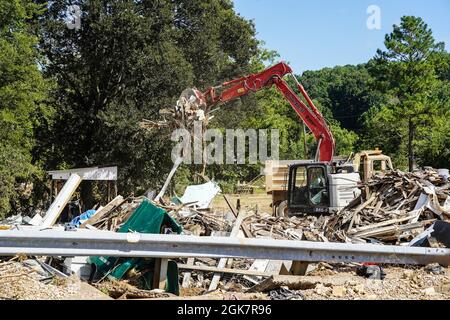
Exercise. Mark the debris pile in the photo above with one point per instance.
(189, 108)
(394, 207)
(201, 223)
(280, 228)
(117, 215)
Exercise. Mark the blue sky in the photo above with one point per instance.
(312, 34)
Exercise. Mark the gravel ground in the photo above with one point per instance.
(338, 282)
(21, 282)
(399, 284)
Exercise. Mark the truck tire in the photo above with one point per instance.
(282, 209)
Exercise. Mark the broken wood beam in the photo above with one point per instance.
(187, 275)
(224, 270)
(117, 201)
(169, 179)
(223, 261)
(235, 212)
(61, 201)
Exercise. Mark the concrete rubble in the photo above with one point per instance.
(394, 208)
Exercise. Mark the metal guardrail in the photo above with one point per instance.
(100, 243)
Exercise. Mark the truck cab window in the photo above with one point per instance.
(318, 191)
(300, 190)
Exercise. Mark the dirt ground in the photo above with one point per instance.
(248, 202)
(20, 282)
(342, 283)
(400, 284)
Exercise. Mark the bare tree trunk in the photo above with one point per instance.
(411, 131)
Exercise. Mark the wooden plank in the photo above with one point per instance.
(187, 275)
(392, 229)
(222, 262)
(163, 274)
(378, 207)
(381, 224)
(178, 162)
(235, 212)
(117, 201)
(255, 273)
(299, 268)
(61, 201)
(257, 265)
(359, 209)
(160, 274)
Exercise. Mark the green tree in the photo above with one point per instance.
(345, 90)
(405, 72)
(22, 92)
(434, 145)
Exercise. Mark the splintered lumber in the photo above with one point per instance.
(119, 214)
(379, 225)
(223, 261)
(200, 222)
(391, 229)
(394, 206)
(245, 229)
(291, 282)
(224, 270)
(284, 228)
(98, 215)
(361, 207)
(61, 200)
(187, 275)
(169, 178)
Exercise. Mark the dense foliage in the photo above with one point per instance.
(73, 97)
(22, 92)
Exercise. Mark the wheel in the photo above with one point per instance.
(282, 209)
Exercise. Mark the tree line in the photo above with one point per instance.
(73, 97)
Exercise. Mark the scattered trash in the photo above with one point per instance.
(371, 272)
(435, 268)
(285, 294)
(201, 196)
(77, 221)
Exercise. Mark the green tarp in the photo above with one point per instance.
(147, 218)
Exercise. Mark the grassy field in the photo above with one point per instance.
(248, 202)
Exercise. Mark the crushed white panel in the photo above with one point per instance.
(447, 204)
(78, 266)
(36, 221)
(258, 265)
(201, 195)
(421, 202)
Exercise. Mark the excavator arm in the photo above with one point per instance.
(274, 75)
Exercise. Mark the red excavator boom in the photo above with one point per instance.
(274, 76)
